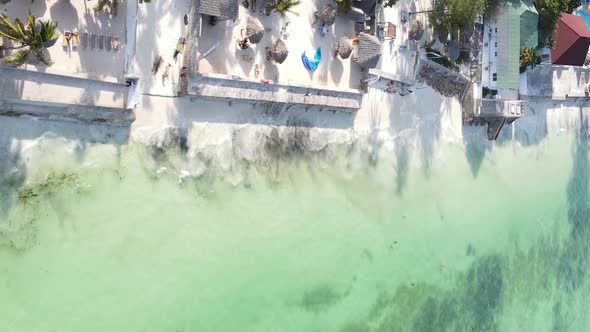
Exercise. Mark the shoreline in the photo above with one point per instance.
(220, 135)
(423, 118)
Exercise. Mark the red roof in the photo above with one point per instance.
(572, 39)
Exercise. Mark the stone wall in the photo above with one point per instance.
(54, 96)
(213, 87)
(555, 82)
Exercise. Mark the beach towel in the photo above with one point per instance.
(312, 64)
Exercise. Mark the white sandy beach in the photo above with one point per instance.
(422, 119)
(70, 15)
(159, 26)
(301, 36)
(80, 75)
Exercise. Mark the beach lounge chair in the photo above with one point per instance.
(75, 39)
(166, 72)
(386, 31)
(84, 39)
(92, 41)
(67, 36)
(115, 44)
(101, 42)
(109, 43)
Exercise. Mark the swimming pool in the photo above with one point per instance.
(586, 17)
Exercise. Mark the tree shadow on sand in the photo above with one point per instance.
(68, 16)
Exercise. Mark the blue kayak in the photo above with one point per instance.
(312, 64)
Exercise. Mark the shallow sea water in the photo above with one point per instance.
(104, 238)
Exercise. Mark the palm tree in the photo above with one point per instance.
(100, 5)
(284, 6)
(529, 57)
(344, 6)
(34, 37)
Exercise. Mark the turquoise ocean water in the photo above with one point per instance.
(106, 237)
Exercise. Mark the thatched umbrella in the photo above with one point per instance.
(344, 47)
(369, 51)
(254, 30)
(279, 51)
(329, 14)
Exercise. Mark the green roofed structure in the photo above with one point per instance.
(529, 21)
(516, 25)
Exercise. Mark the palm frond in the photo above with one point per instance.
(285, 6)
(47, 31)
(31, 22)
(19, 28)
(35, 36)
(5, 34)
(41, 56)
(100, 5)
(10, 30)
(18, 58)
(30, 28)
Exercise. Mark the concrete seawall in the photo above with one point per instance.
(555, 82)
(213, 87)
(64, 97)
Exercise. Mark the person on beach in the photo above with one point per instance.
(243, 44)
(166, 71)
(179, 47)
